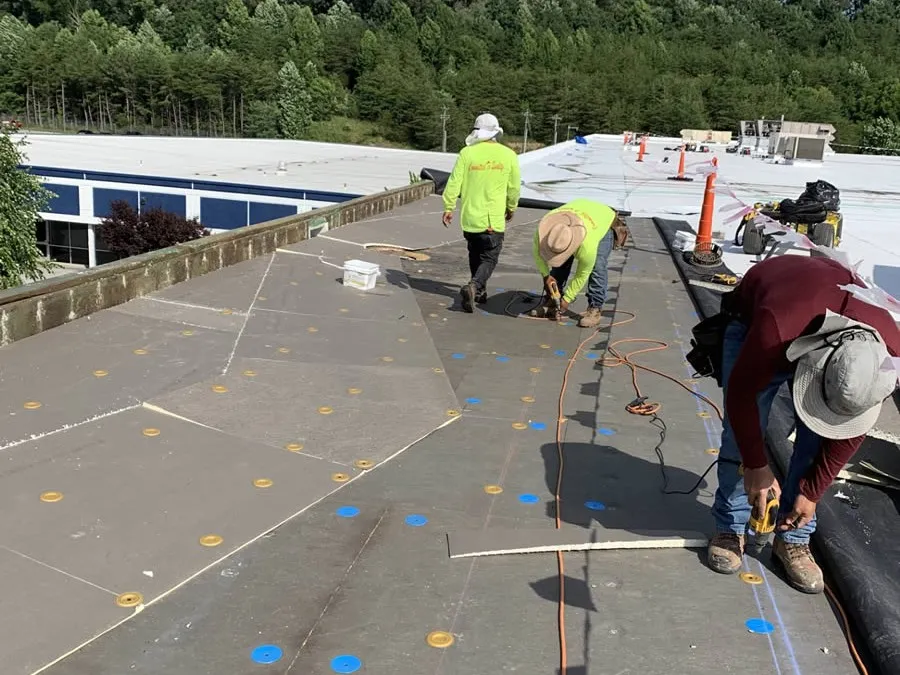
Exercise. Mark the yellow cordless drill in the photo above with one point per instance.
(551, 301)
(555, 297)
(761, 525)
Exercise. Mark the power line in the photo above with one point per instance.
(527, 115)
(445, 116)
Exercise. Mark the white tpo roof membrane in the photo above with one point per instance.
(607, 171)
(351, 169)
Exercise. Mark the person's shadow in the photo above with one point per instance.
(507, 302)
(604, 486)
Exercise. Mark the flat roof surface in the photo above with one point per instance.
(352, 169)
(270, 458)
(607, 171)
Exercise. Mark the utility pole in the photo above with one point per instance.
(569, 128)
(445, 116)
(527, 114)
(555, 119)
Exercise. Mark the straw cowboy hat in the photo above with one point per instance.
(560, 234)
(486, 127)
(844, 373)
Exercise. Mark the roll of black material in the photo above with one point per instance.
(858, 539)
(438, 177)
(707, 301)
(528, 203)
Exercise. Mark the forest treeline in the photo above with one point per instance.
(404, 69)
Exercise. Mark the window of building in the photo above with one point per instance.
(41, 236)
(104, 255)
(63, 242)
(68, 243)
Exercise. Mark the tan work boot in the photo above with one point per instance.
(801, 569)
(726, 552)
(590, 318)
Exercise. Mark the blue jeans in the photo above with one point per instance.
(598, 282)
(731, 510)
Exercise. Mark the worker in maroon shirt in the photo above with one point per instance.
(792, 323)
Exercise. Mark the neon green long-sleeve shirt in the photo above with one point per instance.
(597, 218)
(486, 176)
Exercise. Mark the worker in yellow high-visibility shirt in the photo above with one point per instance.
(486, 175)
(585, 232)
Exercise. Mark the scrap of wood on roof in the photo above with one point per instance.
(479, 543)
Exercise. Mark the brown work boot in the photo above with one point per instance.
(801, 569)
(468, 293)
(544, 311)
(590, 318)
(726, 551)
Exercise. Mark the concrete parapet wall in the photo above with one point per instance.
(37, 307)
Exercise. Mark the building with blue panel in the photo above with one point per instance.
(224, 183)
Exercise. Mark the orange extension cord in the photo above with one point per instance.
(640, 406)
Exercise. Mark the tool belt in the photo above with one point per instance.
(708, 339)
(620, 234)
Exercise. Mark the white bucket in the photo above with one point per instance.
(360, 274)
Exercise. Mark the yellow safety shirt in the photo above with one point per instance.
(487, 177)
(597, 219)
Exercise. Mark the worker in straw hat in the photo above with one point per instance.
(834, 351)
(584, 231)
(486, 174)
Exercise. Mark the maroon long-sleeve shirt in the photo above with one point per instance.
(780, 299)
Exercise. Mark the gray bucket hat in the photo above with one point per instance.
(844, 373)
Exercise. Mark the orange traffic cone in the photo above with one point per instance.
(643, 149)
(704, 231)
(681, 175)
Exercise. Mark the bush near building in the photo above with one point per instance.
(128, 232)
(21, 198)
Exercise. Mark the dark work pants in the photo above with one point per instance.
(484, 252)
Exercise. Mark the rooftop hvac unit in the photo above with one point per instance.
(812, 149)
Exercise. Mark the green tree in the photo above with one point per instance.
(306, 37)
(294, 102)
(261, 120)
(21, 198)
(882, 137)
(210, 67)
(234, 27)
(325, 99)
